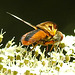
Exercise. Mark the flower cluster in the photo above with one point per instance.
(16, 60)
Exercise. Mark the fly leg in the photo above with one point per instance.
(51, 47)
(50, 43)
(33, 46)
(47, 48)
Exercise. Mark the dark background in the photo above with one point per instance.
(62, 12)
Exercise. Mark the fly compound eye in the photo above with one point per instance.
(58, 36)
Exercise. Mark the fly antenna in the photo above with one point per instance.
(22, 20)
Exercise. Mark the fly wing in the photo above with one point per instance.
(49, 27)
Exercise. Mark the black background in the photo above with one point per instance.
(62, 12)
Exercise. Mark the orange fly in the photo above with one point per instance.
(45, 33)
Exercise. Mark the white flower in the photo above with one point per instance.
(19, 60)
(68, 40)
